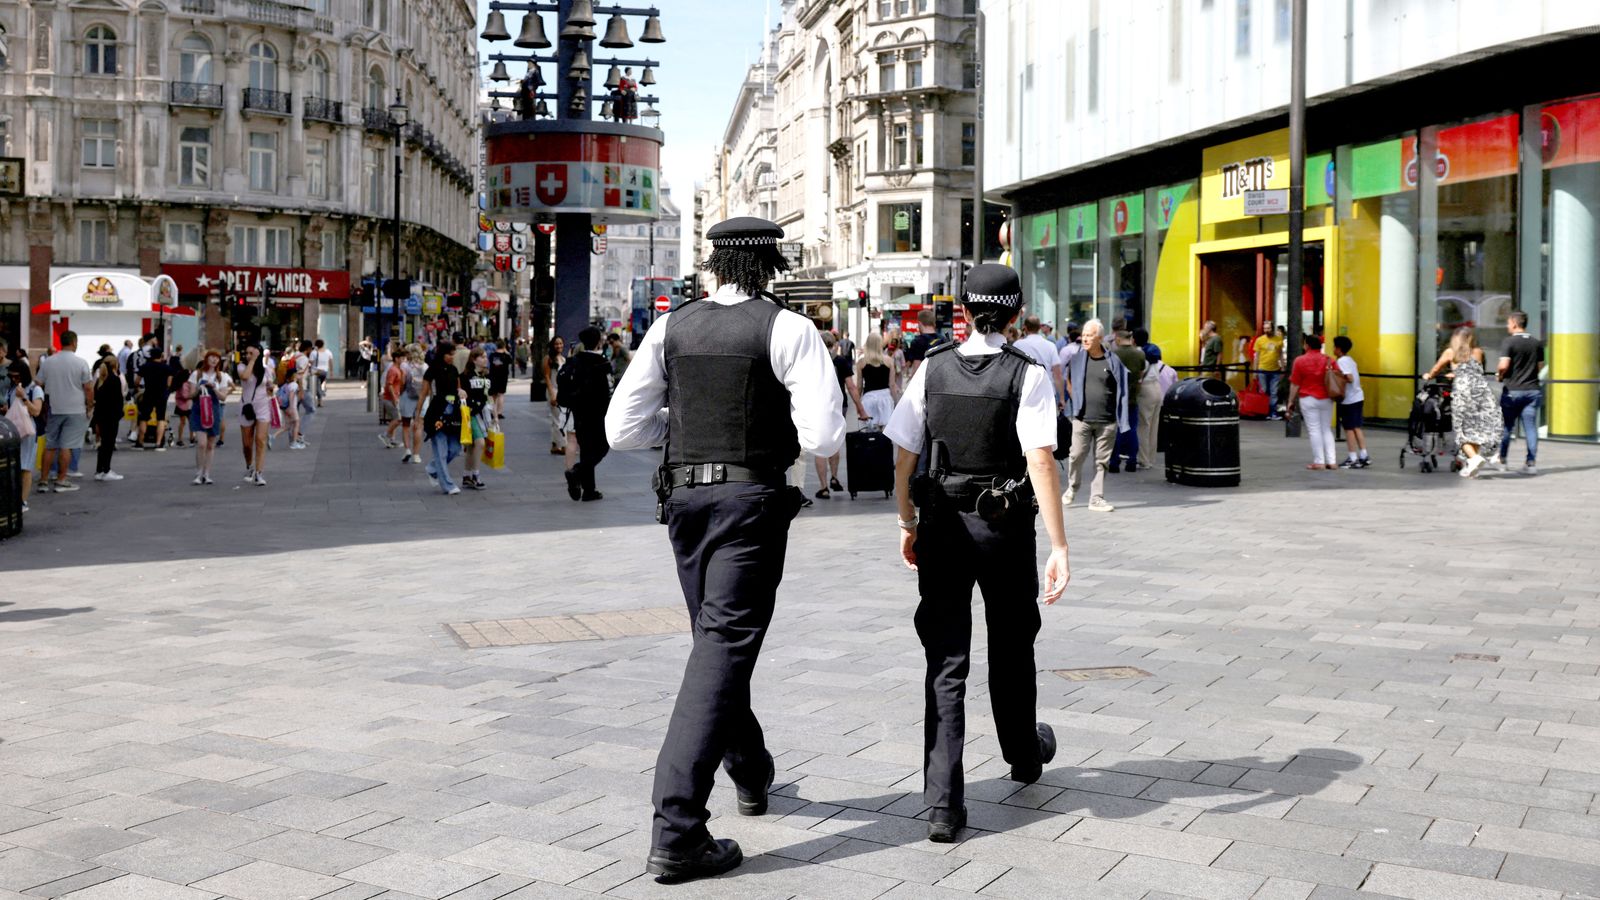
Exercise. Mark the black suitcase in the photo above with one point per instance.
(869, 462)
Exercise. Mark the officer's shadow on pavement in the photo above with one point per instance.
(36, 613)
(898, 818)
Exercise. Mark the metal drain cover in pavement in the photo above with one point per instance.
(1103, 673)
(580, 627)
(1475, 657)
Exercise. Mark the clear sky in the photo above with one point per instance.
(710, 44)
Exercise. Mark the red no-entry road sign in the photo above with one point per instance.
(663, 303)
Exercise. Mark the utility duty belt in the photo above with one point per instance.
(993, 497)
(668, 478)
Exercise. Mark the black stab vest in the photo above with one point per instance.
(972, 404)
(724, 404)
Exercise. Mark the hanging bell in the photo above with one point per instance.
(532, 36)
(580, 100)
(577, 33)
(605, 110)
(541, 109)
(499, 73)
(581, 13)
(649, 76)
(614, 78)
(535, 75)
(494, 102)
(495, 30)
(652, 32)
(616, 33)
(580, 66)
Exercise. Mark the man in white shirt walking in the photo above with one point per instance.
(1043, 351)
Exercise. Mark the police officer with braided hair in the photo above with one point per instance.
(975, 433)
(735, 386)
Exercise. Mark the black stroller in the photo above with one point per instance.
(1428, 428)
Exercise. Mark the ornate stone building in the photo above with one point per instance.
(235, 141)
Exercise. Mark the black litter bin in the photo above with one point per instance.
(11, 451)
(1200, 429)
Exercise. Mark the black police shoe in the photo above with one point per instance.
(712, 858)
(574, 489)
(1029, 773)
(754, 802)
(944, 823)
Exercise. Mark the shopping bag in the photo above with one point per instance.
(38, 456)
(494, 449)
(130, 411)
(466, 427)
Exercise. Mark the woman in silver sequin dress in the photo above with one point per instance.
(1473, 405)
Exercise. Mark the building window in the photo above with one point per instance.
(332, 257)
(194, 60)
(969, 68)
(263, 66)
(900, 228)
(183, 242)
(321, 80)
(900, 152)
(1094, 55)
(317, 169)
(194, 157)
(375, 14)
(885, 9)
(916, 143)
(94, 240)
(902, 7)
(1242, 29)
(4, 54)
(886, 72)
(263, 161)
(913, 68)
(99, 51)
(1281, 20)
(257, 245)
(376, 94)
(969, 7)
(969, 143)
(99, 143)
(372, 169)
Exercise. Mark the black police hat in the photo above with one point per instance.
(745, 231)
(993, 284)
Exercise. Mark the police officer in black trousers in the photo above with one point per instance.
(735, 386)
(975, 431)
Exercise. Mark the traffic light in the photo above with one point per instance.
(397, 288)
(861, 297)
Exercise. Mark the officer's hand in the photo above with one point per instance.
(1056, 575)
(908, 550)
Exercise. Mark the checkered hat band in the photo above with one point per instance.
(997, 299)
(743, 241)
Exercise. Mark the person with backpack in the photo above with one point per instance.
(211, 387)
(584, 388)
(499, 378)
(441, 422)
(1309, 380)
(25, 411)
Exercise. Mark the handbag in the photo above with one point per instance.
(17, 415)
(494, 448)
(1333, 380)
(466, 427)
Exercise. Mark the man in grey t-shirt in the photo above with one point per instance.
(69, 388)
(1521, 358)
(1097, 404)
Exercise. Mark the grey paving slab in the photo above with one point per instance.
(268, 881)
(1290, 732)
(138, 887)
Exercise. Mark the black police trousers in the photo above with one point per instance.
(955, 550)
(729, 541)
(590, 430)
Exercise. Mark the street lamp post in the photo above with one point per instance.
(397, 115)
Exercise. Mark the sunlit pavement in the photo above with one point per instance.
(1379, 680)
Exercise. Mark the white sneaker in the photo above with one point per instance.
(1066, 498)
(406, 458)
(433, 481)
(384, 440)
(1500, 465)
(1099, 504)
(249, 475)
(74, 474)
(297, 445)
(1470, 470)
(161, 448)
(208, 480)
(453, 491)
(1530, 469)
(199, 479)
(416, 459)
(107, 476)
(260, 480)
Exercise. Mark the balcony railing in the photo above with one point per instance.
(191, 93)
(376, 119)
(199, 7)
(273, 13)
(322, 109)
(263, 100)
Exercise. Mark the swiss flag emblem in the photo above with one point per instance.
(550, 183)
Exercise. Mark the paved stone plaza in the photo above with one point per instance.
(1359, 683)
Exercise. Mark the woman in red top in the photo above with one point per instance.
(1308, 383)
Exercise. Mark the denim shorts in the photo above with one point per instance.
(65, 431)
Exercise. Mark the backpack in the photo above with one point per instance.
(285, 369)
(410, 388)
(283, 396)
(569, 384)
